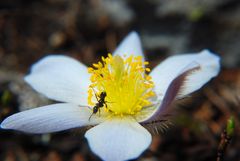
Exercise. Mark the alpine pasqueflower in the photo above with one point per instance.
(132, 96)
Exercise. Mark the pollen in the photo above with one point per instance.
(129, 89)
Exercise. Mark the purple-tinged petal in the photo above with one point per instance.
(169, 69)
(163, 111)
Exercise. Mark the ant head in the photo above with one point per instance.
(103, 94)
(95, 109)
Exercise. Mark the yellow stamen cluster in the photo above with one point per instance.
(127, 86)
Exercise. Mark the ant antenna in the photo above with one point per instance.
(90, 117)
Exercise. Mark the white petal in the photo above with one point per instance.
(169, 69)
(51, 118)
(131, 45)
(60, 78)
(164, 110)
(118, 140)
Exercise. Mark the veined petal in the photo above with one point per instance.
(131, 45)
(51, 118)
(163, 110)
(118, 140)
(60, 78)
(169, 69)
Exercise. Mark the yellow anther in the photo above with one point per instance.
(146, 63)
(109, 55)
(124, 80)
(103, 59)
(96, 65)
(138, 58)
(148, 69)
(90, 70)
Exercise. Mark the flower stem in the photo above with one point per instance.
(226, 137)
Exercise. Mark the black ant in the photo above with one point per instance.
(100, 103)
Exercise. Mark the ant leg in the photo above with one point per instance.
(109, 102)
(107, 107)
(105, 103)
(99, 112)
(95, 94)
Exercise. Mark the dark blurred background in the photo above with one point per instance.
(87, 29)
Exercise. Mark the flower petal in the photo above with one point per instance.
(131, 45)
(119, 139)
(164, 110)
(51, 118)
(60, 78)
(169, 69)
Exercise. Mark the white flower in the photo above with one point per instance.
(133, 97)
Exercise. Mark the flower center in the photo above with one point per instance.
(128, 89)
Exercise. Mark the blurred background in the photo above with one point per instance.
(88, 29)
